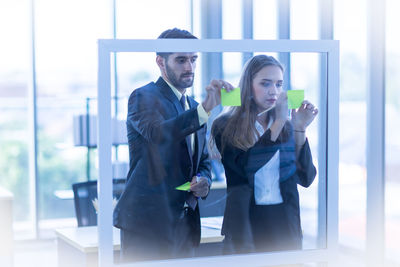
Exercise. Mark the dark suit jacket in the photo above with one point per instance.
(157, 130)
(241, 214)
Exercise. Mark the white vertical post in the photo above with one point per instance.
(247, 6)
(211, 28)
(104, 188)
(332, 168)
(326, 33)
(376, 133)
(284, 33)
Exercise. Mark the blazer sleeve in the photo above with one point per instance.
(205, 164)
(305, 168)
(145, 117)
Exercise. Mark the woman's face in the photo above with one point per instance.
(267, 85)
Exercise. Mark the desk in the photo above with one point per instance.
(78, 246)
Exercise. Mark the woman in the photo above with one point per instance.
(265, 156)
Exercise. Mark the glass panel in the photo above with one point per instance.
(304, 67)
(130, 74)
(66, 49)
(350, 29)
(142, 191)
(232, 66)
(392, 156)
(14, 132)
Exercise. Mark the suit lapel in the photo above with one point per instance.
(167, 92)
(169, 95)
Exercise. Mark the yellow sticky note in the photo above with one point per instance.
(184, 187)
(295, 98)
(232, 98)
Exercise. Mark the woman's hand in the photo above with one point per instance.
(303, 116)
(281, 116)
(281, 108)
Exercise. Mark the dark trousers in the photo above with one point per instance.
(149, 244)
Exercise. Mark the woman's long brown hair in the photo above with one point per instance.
(239, 128)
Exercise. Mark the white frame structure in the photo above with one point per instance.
(329, 122)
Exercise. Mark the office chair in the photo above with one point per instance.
(85, 193)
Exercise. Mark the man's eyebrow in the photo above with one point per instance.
(186, 57)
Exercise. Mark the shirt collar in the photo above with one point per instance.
(260, 128)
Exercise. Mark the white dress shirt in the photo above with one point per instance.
(266, 179)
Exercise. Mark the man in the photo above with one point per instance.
(167, 148)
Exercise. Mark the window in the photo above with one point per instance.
(14, 102)
(350, 29)
(392, 157)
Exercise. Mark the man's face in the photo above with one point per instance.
(179, 69)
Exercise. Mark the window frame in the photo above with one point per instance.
(329, 125)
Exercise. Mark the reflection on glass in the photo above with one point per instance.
(304, 67)
(265, 156)
(158, 213)
(162, 214)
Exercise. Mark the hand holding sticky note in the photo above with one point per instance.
(231, 98)
(295, 98)
(184, 187)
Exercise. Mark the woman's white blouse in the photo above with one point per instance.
(266, 179)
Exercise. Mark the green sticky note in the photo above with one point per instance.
(295, 98)
(232, 98)
(184, 187)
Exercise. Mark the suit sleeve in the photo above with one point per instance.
(305, 168)
(145, 117)
(205, 164)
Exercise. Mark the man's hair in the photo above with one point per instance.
(174, 33)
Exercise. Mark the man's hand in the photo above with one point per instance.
(213, 97)
(200, 188)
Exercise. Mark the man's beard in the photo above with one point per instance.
(179, 83)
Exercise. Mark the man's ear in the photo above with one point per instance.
(160, 62)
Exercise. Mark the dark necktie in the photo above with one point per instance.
(183, 100)
(188, 138)
(191, 200)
